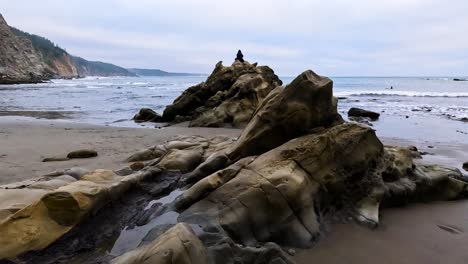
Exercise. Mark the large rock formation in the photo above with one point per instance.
(229, 97)
(19, 61)
(295, 166)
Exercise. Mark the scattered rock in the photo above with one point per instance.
(82, 154)
(147, 115)
(56, 158)
(136, 166)
(358, 112)
(76, 172)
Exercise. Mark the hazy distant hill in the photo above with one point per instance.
(98, 68)
(28, 58)
(157, 72)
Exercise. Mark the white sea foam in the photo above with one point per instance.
(400, 93)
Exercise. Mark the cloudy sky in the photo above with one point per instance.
(334, 37)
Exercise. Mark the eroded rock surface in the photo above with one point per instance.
(178, 245)
(229, 96)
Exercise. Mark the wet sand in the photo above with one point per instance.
(24, 142)
(419, 233)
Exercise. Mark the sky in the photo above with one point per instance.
(333, 38)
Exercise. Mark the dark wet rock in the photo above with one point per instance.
(460, 79)
(229, 96)
(358, 112)
(465, 166)
(147, 115)
(82, 154)
(56, 158)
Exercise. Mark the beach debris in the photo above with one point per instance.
(358, 112)
(450, 229)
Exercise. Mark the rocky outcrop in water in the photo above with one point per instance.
(147, 115)
(229, 97)
(358, 112)
(296, 166)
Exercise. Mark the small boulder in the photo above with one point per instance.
(82, 154)
(358, 112)
(465, 166)
(76, 172)
(147, 115)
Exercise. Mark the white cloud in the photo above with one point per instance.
(337, 37)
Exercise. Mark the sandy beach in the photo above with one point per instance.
(24, 142)
(418, 233)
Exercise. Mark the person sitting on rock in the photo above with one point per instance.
(240, 56)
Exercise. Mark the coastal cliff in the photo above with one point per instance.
(19, 61)
(29, 58)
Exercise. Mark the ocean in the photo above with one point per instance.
(416, 108)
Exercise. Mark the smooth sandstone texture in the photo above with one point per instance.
(304, 105)
(286, 182)
(178, 245)
(40, 223)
